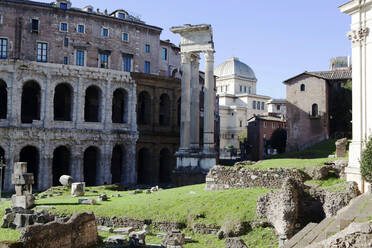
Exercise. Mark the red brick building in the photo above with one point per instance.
(260, 129)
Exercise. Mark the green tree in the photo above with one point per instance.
(366, 163)
(242, 135)
(278, 140)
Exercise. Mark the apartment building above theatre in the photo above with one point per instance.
(59, 33)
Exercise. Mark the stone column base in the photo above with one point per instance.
(192, 167)
(205, 161)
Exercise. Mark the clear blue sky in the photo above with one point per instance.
(278, 39)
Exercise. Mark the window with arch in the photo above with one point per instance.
(92, 104)
(120, 106)
(30, 106)
(302, 87)
(164, 110)
(144, 108)
(314, 110)
(62, 102)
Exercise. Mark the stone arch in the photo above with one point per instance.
(164, 110)
(30, 155)
(314, 110)
(2, 160)
(120, 106)
(118, 162)
(179, 112)
(174, 73)
(3, 100)
(61, 163)
(91, 162)
(165, 166)
(63, 95)
(31, 102)
(144, 108)
(93, 97)
(144, 164)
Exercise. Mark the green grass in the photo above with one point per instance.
(166, 205)
(260, 238)
(178, 204)
(314, 156)
(331, 184)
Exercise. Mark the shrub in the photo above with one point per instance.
(278, 140)
(366, 163)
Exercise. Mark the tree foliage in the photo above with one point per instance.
(366, 163)
(278, 140)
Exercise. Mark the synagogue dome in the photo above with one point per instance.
(234, 67)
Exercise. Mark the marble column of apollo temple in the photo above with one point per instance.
(361, 43)
(196, 39)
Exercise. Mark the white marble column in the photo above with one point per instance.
(195, 109)
(185, 101)
(209, 103)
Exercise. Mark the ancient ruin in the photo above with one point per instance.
(196, 39)
(23, 187)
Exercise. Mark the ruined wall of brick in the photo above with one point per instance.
(46, 134)
(304, 130)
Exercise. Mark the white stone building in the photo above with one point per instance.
(277, 107)
(238, 100)
(361, 14)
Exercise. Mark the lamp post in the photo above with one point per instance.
(2, 165)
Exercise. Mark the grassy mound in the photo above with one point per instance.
(177, 205)
(314, 156)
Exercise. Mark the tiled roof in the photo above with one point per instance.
(327, 75)
(333, 75)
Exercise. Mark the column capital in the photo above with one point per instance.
(185, 58)
(209, 56)
(358, 35)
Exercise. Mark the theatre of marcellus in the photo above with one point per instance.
(92, 94)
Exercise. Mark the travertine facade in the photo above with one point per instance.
(37, 142)
(158, 115)
(68, 105)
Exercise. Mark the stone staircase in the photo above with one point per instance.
(359, 210)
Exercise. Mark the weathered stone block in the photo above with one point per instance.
(174, 239)
(341, 146)
(87, 201)
(118, 239)
(26, 201)
(78, 189)
(235, 243)
(79, 232)
(124, 230)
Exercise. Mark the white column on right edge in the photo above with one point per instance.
(209, 103)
